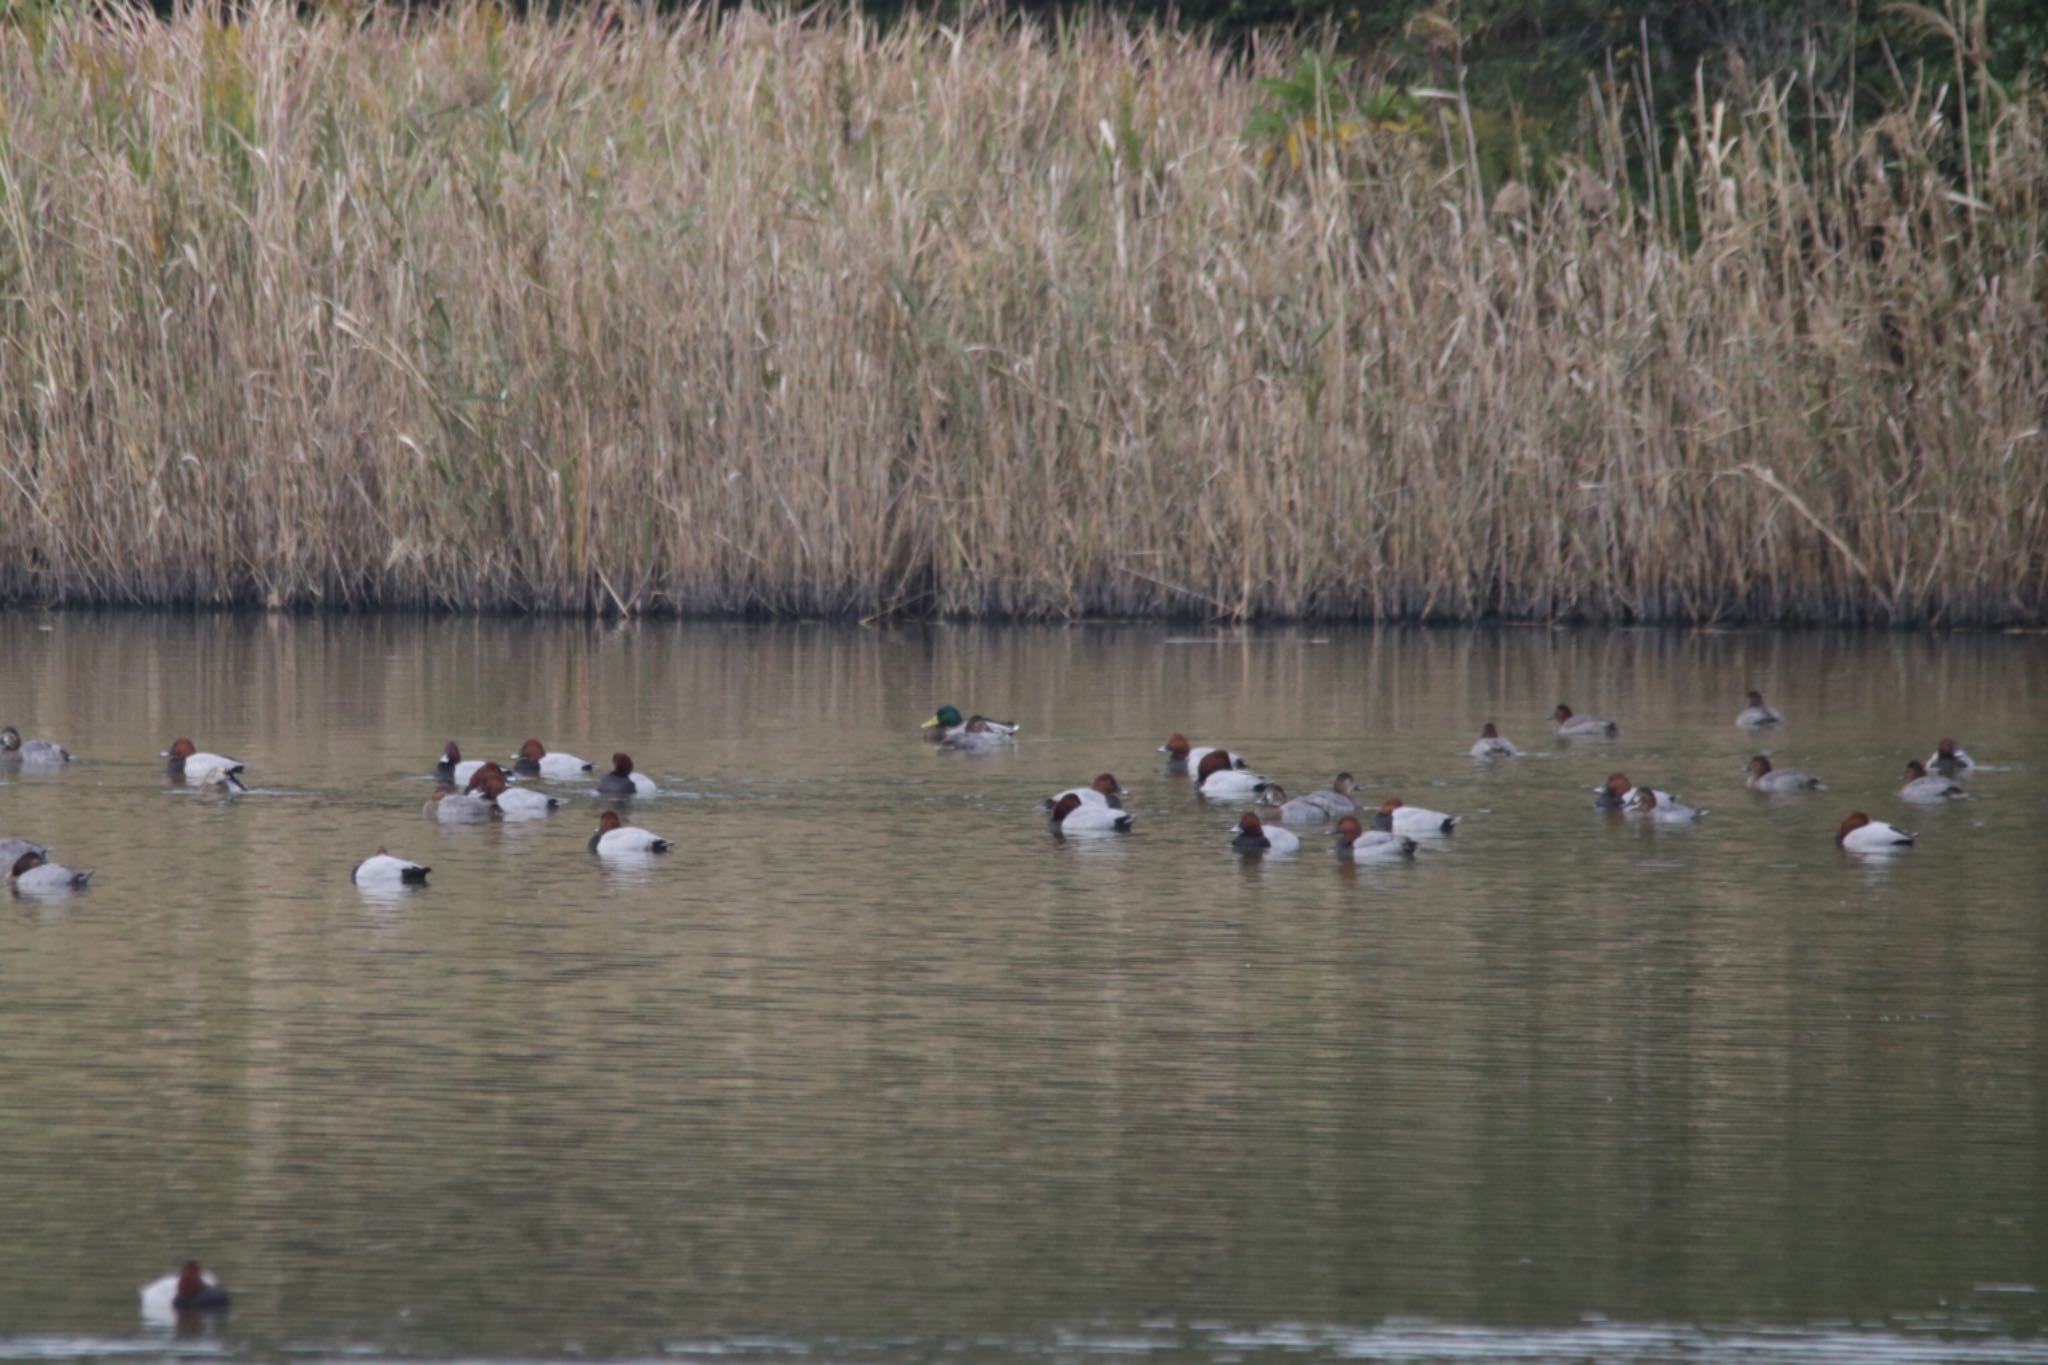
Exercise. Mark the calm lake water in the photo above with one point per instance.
(873, 1069)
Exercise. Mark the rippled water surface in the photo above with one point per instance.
(870, 1068)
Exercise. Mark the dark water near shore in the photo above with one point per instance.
(871, 1068)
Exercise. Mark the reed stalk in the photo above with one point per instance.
(746, 314)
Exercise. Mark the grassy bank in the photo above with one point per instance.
(764, 315)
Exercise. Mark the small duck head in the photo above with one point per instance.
(24, 863)
(489, 780)
(1068, 804)
(608, 822)
(1851, 822)
(1107, 784)
(1176, 745)
(10, 739)
(622, 765)
(451, 753)
(1915, 770)
(533, 751)
(1344, 784)
(1491, 731)
(946, 717)
(1349, 831)
(1756, 698)
(1945, 750)
(1250, 830)
(1759, 765)
(1215, 761)
(181, 749)
(1384, 818)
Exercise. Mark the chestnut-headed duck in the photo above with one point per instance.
(1361, 845)
(1182, 757)
(514, 803)
(1302, 810)
(1861, 834)
(1396, 816)
(381, 869)
(1948, 760)
(623, 781)
(1671, 812)
(534, 760)
(615, 839)
(1757, 716)
(1072, 815)
(454, 770)
(1618, 793)
(12, 848)
(1492, 744)
(974, 732)
(1570, 726)
(1924, 790)
(1219, 780)
(191, 1290)
(183, 762)
(1105, 790)
(1254, 836)
(1764, 778)
(34, 875)
(34, 753)
(458, 808)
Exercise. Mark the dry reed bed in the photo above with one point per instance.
(760, 314)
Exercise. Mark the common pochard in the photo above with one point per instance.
(453, 770)
(1492, 744)
(1764, 778)
(1672, 812)
(623, 781)
(1925, 790)
(1861, 834)
(1396, 816)
(1254, 836)
(1105, 790)
(1362, 845)
(1757, 716)
(184, 762)
(34, 875)
(534, 760)
(1570, 726)
(615, 839)
(1948, 760)
(190, 1290)
(1072, 815)
(1183, 757)
(1219, 779)
(514, 803)
(381, 869)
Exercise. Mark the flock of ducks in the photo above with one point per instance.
(468, 793)
(1221, 775)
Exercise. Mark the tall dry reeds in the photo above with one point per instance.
(750, 314)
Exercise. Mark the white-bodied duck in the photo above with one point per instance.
(1254, 836)
(1923, 789)
(1570, 726)
(183, 762)
(1361, 845)
(1396, 816)
(1492, 744)
(614, 838)
(1764, 778)
(534, 760)
(382, 869)
(1861, 834)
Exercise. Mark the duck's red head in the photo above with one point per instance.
(1487, 731)
(1215, 761)
(1562, 714)
(1390, 805)
(1349, 830)
(190, 1280)
(1916, 769)
(1248, 823)
(25, 862)
(1759, 765)
(608, 822)
(451, 753)
(1852, 822)
(1177, 745)
(1618, 784)
(622, 765)
(183, 748)
(1067, 806)
(1946, 749)
(1756, 698)
(1107, 784)
(533, 751)
(489, 779)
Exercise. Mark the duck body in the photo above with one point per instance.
(1105, 790)
(1861, 834)
(33, 753)
(381, 869)
(975, 733)
(1302, 810)
(1764, 778)
(1663, 812)
(1335, 799)
(459, 808)
(1571, 726)
(182, 760)
(34, 875)
(190, 1290)
(1073, 815)
(1254, 836)
(1357, 844)
(523, 803)
(1758, 716)
(1492, 744)
(615, 839)
(1183, 757)
(534, 760)
(1396, 816)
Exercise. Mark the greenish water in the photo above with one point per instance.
(872, 1068)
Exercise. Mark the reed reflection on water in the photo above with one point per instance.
(871, 1066)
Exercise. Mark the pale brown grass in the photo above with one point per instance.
(771, 315)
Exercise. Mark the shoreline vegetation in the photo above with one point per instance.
(747, 314)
